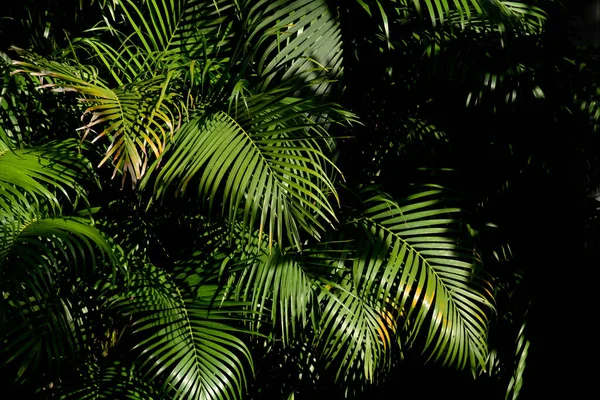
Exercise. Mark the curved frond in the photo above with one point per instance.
(34, 184)
(277, 283)
(44, 257)
(42, 261)
(297, 39)
(136, 118)
(356, 334)
(268, 166)
(39, 333)
(187, 345)
(161, 36)
(412, 258)
(48, 174)
(178, 26)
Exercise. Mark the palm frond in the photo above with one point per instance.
(44, 256)
(35, 183)
(410, 274)
(42, 261)
(40, 334)
(501, 16)
(276, 284)
(429, 274)
(296, 39)
(188, 346)
(268, 165)
(49, 174)
(52, 320)
(410, 269)
(279, 287)
(30, 116)
(15, 126)
(161, 36)
(356, 334)
(182, 26)
(517, 15)
(136, 118)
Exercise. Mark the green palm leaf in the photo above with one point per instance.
(522, 350)
(277, 283)
(356, 334)
(187, 345)
(34, 184)
(296, 39)
(15, 96)
(45, 173)
(268, 166)
(413, 261)
(40, 334)
(45, 257)
(38, 258)
(499, 15)
(136, 118)
(181, 26)
(161, 36)
(410, 273)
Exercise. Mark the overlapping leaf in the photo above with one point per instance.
(412, 276)
(276, 284)
(44, 173)
(38, 257)
(40, 250)
(296, 39)
(356, 335)
(140, 114)
(136, 118)
(268, 166)
(187, 345)
(500, 15)
(424, 270)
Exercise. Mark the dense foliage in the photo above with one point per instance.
(269, 198)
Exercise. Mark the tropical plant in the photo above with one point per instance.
(260, 217)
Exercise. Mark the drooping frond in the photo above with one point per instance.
(268, 165)
(412, 257)
(137, 118)
(43, 260)
(49, 174)
(411, 275)
(357, 333)
(186, 345)
(41, 331)
(280, 288)
(35, 183)
(141, 113)
(45, 257)
(276, 285)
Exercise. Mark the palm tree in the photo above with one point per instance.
(220, 118)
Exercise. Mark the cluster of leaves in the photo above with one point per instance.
(232, 238)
